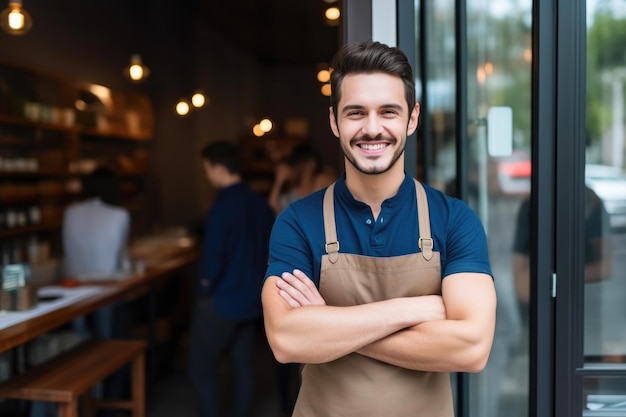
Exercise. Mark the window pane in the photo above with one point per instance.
(441, 92)
(605, 188)
(499, 79)
(604, 396)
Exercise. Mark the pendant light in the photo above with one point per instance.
(14, 20)
(136, 71)
(198, 99)
(182, 107)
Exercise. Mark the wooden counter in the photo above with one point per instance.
(28, 329)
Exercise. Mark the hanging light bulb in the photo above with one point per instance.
(14, 19)
(332, 16)
(257, 131)
(136, 70)
(182, 107)
(326, 90)
(332, 13)
(266, 125)
(198, 99)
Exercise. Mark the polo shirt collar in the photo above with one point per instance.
(405, 191)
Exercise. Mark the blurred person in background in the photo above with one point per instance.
(100, 215)
(299, 175)
(95, 234)
(296, 177)
(598, 262)
(228, 302)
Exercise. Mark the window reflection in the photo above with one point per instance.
(605, 177)
(498, 74)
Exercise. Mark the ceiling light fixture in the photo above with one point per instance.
(14, 20)
(332, 15)
(266, 125)
(257, 131)
(198, 99)
(323, 76)
(182, 107)
(136, 70)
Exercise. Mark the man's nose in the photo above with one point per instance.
(372, 126)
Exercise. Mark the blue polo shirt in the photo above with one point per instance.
(235, 251)
(298, 241)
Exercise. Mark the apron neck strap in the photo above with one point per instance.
(330, 230)
(425, 241)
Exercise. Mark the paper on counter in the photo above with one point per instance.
(68, 296)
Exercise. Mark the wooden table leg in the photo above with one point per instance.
(68, 409)
(88, 403)
(138, 389)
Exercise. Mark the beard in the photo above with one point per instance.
(374, 169)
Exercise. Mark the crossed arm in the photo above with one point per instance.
(452, 333)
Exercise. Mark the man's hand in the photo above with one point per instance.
(298, 290)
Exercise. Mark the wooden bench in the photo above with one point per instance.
(64, 378)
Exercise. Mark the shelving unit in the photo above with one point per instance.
(53, 131)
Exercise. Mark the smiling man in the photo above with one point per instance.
(379, 284)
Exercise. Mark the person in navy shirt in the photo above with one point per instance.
(378, 280)
(233, 261)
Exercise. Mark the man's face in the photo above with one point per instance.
(212, 172)
(373, 121)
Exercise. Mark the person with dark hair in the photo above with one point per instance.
(95, 235)
(379, 284)
(301, 173)
(228, 305)
(295, 177)
(96, 230)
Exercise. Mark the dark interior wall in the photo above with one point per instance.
(295, 92)
(93, 41)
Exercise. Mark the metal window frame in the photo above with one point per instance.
(570, 82)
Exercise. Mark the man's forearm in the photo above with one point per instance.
(319, 333)
(459, 343)
(436, 346)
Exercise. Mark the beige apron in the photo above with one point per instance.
(358, 386)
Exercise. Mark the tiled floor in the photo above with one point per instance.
(171, 395)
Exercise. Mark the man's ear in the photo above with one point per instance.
(413, 120)
(333, 122)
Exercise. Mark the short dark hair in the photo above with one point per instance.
(224, 153)
(300, 158)
(368, 57)
(302, 154)
(104, 184)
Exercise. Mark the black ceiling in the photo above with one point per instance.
(278, 32)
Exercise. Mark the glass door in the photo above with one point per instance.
(604, 267)
(474, 80)
(524, 118)
(498, 79)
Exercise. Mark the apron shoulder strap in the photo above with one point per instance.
(425, 241)
(330, 231)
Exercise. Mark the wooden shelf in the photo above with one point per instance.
(21, 121)
(35, 174)
(17, 231)
(76, 129)
(68, 127)
(116, 134)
